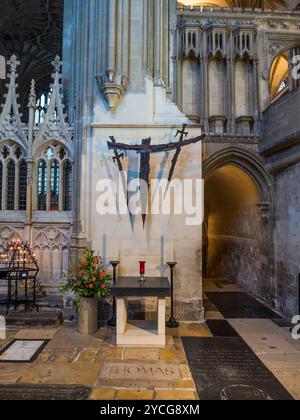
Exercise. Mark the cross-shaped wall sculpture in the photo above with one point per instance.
(145, 149)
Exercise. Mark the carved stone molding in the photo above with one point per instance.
(113, 93)
(52, 237)
(231, 138)
(8, 234)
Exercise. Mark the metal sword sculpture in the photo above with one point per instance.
(146, 148)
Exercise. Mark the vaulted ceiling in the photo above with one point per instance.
(32, 29)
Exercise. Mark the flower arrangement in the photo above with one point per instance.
(88, 279)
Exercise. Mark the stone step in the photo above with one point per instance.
(34, 319)
(50, 312)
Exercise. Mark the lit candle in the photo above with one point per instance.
(115, 246)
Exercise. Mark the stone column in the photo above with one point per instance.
(112, 33)
(257, 113)
(231, 93)
(29, 160)
(206, 94)
(157, 42)
(125, 42)
(82, 40)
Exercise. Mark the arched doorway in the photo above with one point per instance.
(238, 227)
(281, 78)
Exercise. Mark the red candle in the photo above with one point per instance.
(142, 268)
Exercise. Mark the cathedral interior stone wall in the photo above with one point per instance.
(141, 68)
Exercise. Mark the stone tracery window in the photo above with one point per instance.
(13, 178)
(41, 107)
(22, 184)
(54, 185)
(42, 185)
(10, 185)
(67, 185)
(54, 179)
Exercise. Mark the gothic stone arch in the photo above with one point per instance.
(52, 249)
(253, 166)
(248, 242)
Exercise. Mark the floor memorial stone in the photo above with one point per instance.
(22, 351)
(227, 369)
(147, 371)
(240, 305)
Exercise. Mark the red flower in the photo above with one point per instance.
(94, 279)
(91, 286)
(103, 286)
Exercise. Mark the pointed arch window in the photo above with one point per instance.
(54, 185)
(55, 179)
(67, 185)
(11, 185)
(42, 106)
(42, 186)
(13, 177)
(22, 185)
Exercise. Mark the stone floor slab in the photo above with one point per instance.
(11, 373)
(110, 354)
(290, 379)
(87, 355)
(282, 361)
(194, 330)
(269, 343)
(61, 374)
(37, 334)
(213, 315)
(103, 394)
(168, 355)
(70, 338)
(166, 395)
(68, 356)
(254, 326)
(133, 384)
(184, 385)
(127, 394)
(141, 354)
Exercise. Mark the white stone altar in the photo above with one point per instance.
(141, 333)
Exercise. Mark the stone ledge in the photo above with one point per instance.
(47, 319)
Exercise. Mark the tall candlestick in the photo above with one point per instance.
(172, 248)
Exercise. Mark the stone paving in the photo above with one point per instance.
(111, 372)
(144, 373)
